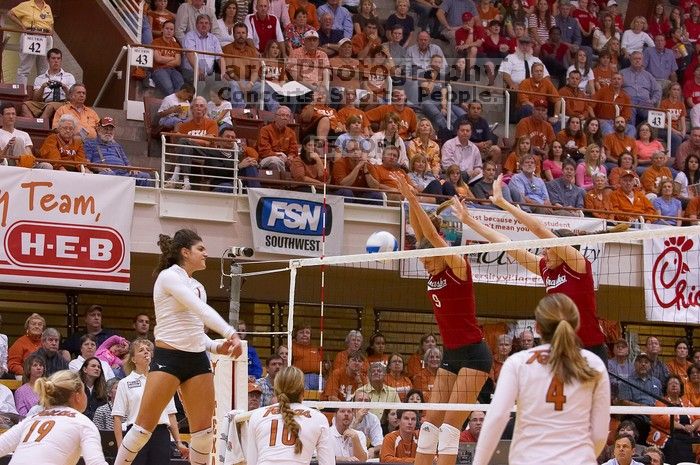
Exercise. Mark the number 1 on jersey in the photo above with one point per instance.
(288, 438)
(555, 394)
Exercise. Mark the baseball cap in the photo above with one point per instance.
(94, 308)
(254, 387)
(310, 33)
(612, 2)
(343, 41)
(467, 16)
(628, 173)
(540, 103)
(106, 121)
(642, 355)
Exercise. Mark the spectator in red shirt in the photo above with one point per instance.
(691, 93)
(473, 429)
(468, 38)
(555, 55)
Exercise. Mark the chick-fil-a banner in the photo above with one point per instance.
(65, 229)
(672, 279)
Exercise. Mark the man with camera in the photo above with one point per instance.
(50, 88)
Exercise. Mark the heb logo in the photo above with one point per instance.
(78, 247)
(292, 216)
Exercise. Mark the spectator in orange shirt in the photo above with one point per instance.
(396, 377)
(536, 83)
(398, 105)
(27, 344)
(653, 175)
(629, 204)
(679, 364)
(375, 349)
(366, 40)
(319, 118)
(306, 356)
(692, 211)
(537, 127)
(400, 446)
(598, 198)
(64, 145)
(625, 163)
(353, 343)
(618, 143)
(425, 378)
(343, 381)
(277, 142)
(386, 173)
(415, 361)
(505, 345)
(575, 98)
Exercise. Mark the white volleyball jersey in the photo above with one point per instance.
(556, 423)
(55, 436)
(269, 442)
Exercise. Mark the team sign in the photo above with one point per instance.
(65, 229)
(672, 279)
(293, 223)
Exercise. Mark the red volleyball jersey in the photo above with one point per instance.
(578, 287)
(454, 307)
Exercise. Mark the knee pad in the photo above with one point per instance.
(201, 444)
(136, 438)
(449, 440)
(428, 439)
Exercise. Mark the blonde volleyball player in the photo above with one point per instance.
(179, 359)
(562, 393)
(288, 432)
(563, 269)
(467, 359)
(60, 433)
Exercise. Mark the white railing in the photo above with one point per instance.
(129, 14)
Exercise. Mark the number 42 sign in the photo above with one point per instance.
(34, 44)
(141, 56)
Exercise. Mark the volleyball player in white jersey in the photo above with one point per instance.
(562, 393)
(180, 361)
(59, 434)
(288, 432)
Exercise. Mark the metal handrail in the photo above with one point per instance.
(129, 15)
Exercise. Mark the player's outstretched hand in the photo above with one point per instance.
(231, 346)
(403, 186)
(497, 197)
(459, 210)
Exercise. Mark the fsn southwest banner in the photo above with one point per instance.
(499, 267)
(672, 279)
(293, 223)
(65, 229)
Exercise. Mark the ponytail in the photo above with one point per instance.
(289, 387)
(170, 247)
(57, 389)
(558, 318)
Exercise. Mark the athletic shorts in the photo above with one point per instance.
(183, 365)
(475, 356)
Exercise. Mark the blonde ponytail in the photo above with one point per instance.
(558, 318)
(289, 387)
(58, 388)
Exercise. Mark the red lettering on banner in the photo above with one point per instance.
(671, 262)
(5, 201)
(74, 246)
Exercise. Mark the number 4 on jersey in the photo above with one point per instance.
(555, 394)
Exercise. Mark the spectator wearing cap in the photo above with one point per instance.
(254, 396)
(517, 66)
(449, 14)
(366, 40)
(307, 63)
(342, 18)
(264, 27)
(661, 62)
(105, 150)
(641, 389)
(92, 321)
(468, 39)
(202, 40)
(619, 365)
(86, 116)
(630, 203)
(535, 83)
(563, 191)
(641, 86)
(617, 17)
(537, 127)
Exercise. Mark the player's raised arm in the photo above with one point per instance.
(570, 255)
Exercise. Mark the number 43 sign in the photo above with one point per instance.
(657, 119)
(141, 56)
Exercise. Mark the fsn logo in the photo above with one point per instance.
(293, 216)
(77, 247)
(670, 275)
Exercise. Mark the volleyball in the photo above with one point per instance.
(381, 241)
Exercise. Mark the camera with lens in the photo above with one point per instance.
(55, 87)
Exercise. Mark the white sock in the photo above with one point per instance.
(132, 443)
